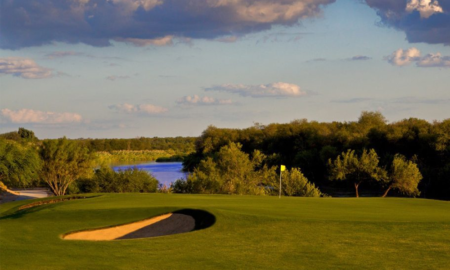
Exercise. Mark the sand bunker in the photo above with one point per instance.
(180, 221)
(167, 224)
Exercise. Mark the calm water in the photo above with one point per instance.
(165, 172)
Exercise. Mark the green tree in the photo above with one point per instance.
(348, 166)
(296, 184)
(404, 176)
(371, 119)
(231, 171)
(206, 178)
(107, 180)
(64, 162)
(27, 134)
(240, 173)
(19, 165)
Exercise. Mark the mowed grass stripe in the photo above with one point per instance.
(250, 232)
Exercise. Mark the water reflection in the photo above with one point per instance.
(165, 172)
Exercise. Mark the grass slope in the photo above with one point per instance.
(249, 233)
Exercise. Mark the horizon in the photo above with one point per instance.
(220, 127)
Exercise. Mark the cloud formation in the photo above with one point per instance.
(62, 54)
(422, 20)
(406, 57)
(434, 60)
(23, 67)
(205, 100)
(360, 58)
(27, 23)
(142, 42)
(34, 116)
(426, 8)
(138, 109)
(279, 89)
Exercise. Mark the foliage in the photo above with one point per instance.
(26, 134)
(174, 158)
(178, 145)
(294, 183)
(348, 166)
(404, 176)
(370, 120)
(19, 165)
(107, 180)
(303, 144)
(310, 144)
(13, 136)
(104, 158)
(22, 135)
(64, 162)
(180, 186)
(230, 172)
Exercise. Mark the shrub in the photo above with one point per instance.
(296, 184)
(107, 180)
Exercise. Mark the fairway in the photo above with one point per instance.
(250, 232)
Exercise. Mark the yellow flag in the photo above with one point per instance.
(283, 168)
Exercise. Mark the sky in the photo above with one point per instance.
(133, 68)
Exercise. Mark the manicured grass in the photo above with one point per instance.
(249, 233)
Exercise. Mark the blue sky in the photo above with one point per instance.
(157, 71)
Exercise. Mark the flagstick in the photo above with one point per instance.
(279, 196)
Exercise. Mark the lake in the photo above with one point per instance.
(165, 172)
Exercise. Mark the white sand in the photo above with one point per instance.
(114, 232)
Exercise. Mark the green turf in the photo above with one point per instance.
(249, 233)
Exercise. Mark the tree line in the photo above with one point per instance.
(176, 146)
(310, 145)
(410, 157)
(180, 145)
(65, 166)
(232, 171)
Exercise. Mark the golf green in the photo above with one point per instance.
(249, 232)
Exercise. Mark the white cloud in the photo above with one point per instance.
(434, 60)
(61, 54)
(139, 109)
(24, 68)
(404, 57)
(279, 89)
(151, 109)
(133, 5)
(32, 116)
(268, 11)
(139, 42)
(197, 100)
(426, 8)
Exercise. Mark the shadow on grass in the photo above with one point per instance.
(22, 210)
